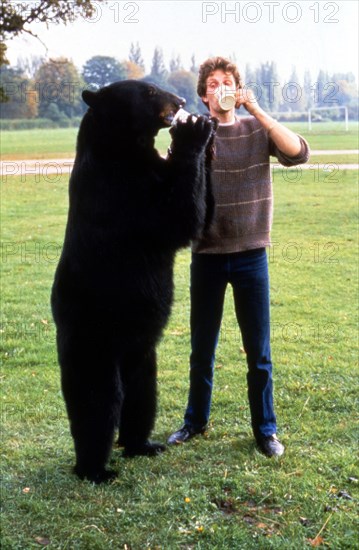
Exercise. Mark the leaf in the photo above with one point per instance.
(249, 519)
(353, 479)
(317, 541)
(345, 495)
(225, 506)
(44, 541)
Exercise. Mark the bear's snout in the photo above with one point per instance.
(168, 113)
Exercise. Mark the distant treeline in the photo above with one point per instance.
(46, 93)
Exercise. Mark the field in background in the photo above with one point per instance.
(216, 492)
(61, 142)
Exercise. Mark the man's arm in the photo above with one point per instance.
(286, 140)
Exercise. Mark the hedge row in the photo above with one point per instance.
(32, 123)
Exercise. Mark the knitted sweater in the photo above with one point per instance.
(242, 188)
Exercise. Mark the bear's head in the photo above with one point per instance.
(138, 108)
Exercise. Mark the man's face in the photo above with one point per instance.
(214, 81)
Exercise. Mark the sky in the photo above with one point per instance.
(305, 34)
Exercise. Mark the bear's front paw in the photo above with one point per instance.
(95, 476)
(193, 134)
(149, 448)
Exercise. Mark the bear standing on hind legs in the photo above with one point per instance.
(130, 211)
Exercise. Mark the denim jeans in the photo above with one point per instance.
(247, 272)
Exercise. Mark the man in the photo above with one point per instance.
(233, 251)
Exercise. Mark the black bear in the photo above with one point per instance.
(130, 210)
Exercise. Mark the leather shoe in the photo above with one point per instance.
(270, 445)
(183, 434)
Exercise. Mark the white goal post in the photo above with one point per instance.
(338, 107)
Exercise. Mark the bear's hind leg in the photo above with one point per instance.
(138, 375)
(91, 389)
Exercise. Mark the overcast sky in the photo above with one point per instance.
(305, 34)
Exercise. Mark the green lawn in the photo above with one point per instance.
(61, 142)
(39, 143)
(216, 492)
(336, 159)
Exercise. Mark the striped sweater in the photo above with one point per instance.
(242, 188)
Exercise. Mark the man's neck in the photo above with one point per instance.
(224, 117)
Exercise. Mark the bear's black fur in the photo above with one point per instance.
(130, 211)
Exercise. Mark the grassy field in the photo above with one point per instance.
(40, 143)
(217, 492)
(61, 143)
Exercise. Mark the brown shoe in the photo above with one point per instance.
(270, 445)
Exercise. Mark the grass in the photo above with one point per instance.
(336, 159)
(216, 492)
(60, 143)
(40, 143)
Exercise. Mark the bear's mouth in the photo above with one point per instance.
(168, 115)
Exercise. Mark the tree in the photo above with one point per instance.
(307, 90)
(15, 18)
(3, 62)
(250, 75)
(133, 70)
(184, 83)
(265, 85)
(321, 86)
(176, 64)
(293, 95)
(101, 70)
(135, 56)
(21, 96)
(194, 68)
(58, 81)
(3, 59)
(30, 64)
(158, 74)
(345, 93)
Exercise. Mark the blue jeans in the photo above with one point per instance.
(247, 272)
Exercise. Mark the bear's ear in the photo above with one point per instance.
(90, 98)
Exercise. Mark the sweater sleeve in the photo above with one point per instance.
(285, 160)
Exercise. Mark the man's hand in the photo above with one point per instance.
(285, 139)
(247, 98)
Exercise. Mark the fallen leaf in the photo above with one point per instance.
(317, 541)
(44, 541)
(225, 506)
(272, 510)
(250, 503)
(353, 479)
(345, 495)
(249, 519)
(328, 508)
